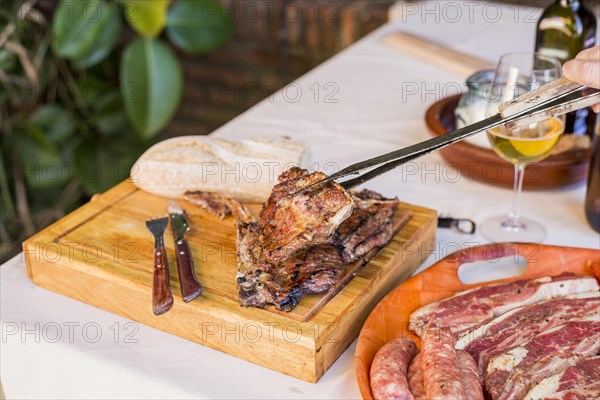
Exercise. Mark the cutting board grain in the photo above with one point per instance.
(389, 319)
(101, 254)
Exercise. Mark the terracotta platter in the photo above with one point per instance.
(484, 165)
(389, 319)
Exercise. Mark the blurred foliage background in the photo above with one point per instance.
(85, 87)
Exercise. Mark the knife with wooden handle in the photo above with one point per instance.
(190, 287)
(162, 298)
(436, 54)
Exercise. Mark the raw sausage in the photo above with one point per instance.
(469, 375)
(415, 378)
(389, 369)
(441, 373)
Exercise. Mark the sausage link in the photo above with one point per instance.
(389, 369)
(441, 374)
(469, 376)
(415, 378)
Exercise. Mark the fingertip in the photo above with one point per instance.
(593, 53)
(596, 108)
(567, 69)
(584, 72)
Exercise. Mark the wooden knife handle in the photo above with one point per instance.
(190, 287)
(162, 298)
(423, 49)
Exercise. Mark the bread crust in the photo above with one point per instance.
(245, 170)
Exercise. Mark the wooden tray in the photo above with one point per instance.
(484, 165)
(101, 254)
(389, 320)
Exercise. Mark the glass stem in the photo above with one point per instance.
(514, 215)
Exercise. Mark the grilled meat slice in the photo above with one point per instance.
(302, 242)
(313, 269)
(219, 205)
(369, 226)
(250, 278)
(294, 218)
(213, 203)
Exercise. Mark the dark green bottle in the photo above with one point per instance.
(564, 29)
(592, 196)
(588, 20)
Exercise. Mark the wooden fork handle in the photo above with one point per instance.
(162, 298)
(190, 287)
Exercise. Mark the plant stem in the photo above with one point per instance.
(22, 204)
(4, 236)
(68, 196)
(10, 208)
(82, 115)
(72, 86)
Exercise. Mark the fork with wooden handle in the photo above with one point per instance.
(162, 298)
(190, 287)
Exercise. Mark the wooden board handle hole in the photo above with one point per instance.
(490, 270)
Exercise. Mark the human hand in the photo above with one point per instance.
(585, 69)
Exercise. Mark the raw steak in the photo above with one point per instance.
(520, 325)
(468, 309)
(579, 382)
(512, 373)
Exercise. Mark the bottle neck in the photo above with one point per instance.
(574, 4)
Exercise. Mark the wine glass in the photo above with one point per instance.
(518, 73)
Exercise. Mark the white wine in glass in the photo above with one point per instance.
(529, 144)
(518, 73)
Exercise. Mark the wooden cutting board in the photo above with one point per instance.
(389, 320)
(102, 254)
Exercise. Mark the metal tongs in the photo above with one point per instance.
(553, 99)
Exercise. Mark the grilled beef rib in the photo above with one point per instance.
(305, 238)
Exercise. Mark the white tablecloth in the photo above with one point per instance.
(55, 347)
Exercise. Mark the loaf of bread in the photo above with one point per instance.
(246, 169)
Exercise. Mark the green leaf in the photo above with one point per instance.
(109, 115)
(103, 164)
(43, 166)
(92, 89)
(199, 26)
(85, 30)
(146, 17)
(104, 43)
(7, 59)
(151, 84)
(55, 122)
